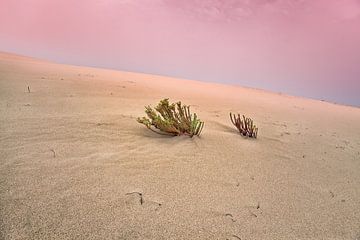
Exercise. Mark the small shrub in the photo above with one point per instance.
(172, 119)
(245, 125)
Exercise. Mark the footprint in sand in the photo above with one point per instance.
(233, 237)
(230, 216)
(136, 199)
(254, 211)
(284, 133)
(137, 196)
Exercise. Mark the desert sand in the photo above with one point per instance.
(75, 164)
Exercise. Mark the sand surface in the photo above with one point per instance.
(72, 155)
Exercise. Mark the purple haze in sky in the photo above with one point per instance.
(306, 48)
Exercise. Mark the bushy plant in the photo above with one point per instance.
(172, 119)
(245, 125)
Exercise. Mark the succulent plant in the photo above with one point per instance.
(245, 125)
(172, 119)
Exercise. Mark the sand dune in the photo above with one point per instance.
(76, 165)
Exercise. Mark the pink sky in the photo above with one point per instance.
(301, 47)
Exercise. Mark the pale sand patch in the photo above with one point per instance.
(76, 165)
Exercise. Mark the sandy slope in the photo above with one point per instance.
(71, 150)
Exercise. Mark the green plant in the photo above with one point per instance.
(245, 125)
(172, 119)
